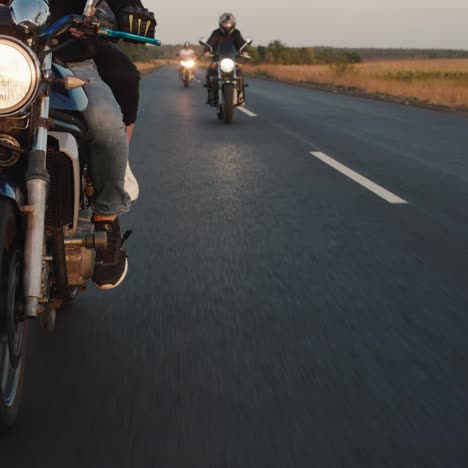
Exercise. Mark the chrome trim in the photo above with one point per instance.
(34, 248)
(35, 227)
(35, 73)
(89, 7)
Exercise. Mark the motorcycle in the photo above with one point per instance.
(228, 85)
(186, 72)
(47, 239)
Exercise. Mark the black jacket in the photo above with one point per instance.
(81, 49)
(219, 36)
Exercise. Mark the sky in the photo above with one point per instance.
(341, 23)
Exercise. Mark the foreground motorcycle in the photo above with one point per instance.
(228, 85)
(186, 72)
(47, 240)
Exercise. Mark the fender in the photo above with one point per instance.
(10, 190)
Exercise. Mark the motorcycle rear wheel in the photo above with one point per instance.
(12, 325)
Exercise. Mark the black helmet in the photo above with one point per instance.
(187, 45)
(227, 23)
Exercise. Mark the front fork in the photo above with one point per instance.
(37, 183)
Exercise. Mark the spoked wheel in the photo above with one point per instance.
(228, 104)
(12, 325)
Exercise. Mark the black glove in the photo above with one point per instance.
(137, 20)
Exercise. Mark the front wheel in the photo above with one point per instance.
(228, 104)
(186, 79)
(12, 325)
(220, 112)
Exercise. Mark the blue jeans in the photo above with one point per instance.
(108, 158)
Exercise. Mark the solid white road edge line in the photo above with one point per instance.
(247, 112)
(361, 180)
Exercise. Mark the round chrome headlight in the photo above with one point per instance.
(227, 65)
(19, 76)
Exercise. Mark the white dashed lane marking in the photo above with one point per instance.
(361, 180)
(247, 112)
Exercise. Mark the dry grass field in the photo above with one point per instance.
(147, 67)
(439, 81)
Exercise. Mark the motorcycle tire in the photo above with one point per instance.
(12, 328)
(228, 104)
(220, 112)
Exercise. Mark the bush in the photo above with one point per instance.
(343, 62)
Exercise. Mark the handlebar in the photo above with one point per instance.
(238, 56)
(106, 32)
(59, 24)
(70, 20)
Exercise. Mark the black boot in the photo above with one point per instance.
(111, 263)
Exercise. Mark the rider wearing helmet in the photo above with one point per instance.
(227, 31)
(186, 55)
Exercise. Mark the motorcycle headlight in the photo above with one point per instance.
(19, 76)
(227, 65)
(188, 63)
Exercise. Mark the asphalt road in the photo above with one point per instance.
(277, 314)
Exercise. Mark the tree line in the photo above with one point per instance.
(278, 53)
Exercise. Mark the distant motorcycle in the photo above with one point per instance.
(228, 85)
(186, 72)
(47, 239)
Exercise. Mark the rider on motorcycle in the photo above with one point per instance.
(226, 32)
(109, 145)
(185, 55)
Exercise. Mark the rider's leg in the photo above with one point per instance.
(240, 75)
(123, 78)
(107, 166)
(109, 145)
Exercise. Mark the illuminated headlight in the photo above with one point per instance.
(227, 65)
(19, 76)
(188, 63)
